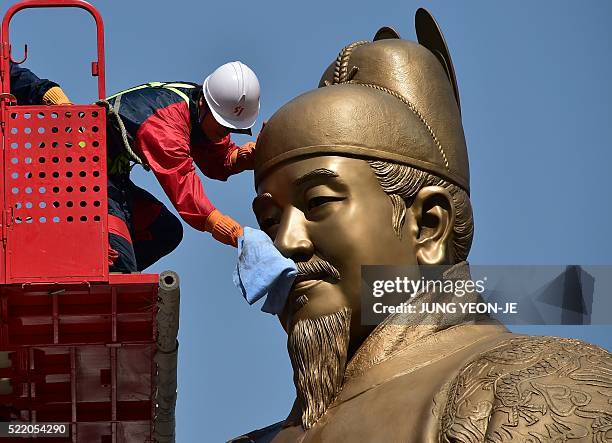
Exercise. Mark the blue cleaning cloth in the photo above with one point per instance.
(263, 271)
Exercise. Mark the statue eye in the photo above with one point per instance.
(320, 201)
(267, 223)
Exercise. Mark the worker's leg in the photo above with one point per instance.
(157, 231)
(121, 257)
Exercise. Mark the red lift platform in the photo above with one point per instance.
(78, 345)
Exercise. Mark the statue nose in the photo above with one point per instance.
(292, 238)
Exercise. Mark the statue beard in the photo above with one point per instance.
(318, 351)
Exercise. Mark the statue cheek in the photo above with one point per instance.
(336, 237)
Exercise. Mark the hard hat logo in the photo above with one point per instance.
(232, 94)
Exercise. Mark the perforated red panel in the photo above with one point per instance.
(55, 194)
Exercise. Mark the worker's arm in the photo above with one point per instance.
(164, 142)
(215, 158)
(31, 90)
(224, 158)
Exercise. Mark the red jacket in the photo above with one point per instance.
(163, 130)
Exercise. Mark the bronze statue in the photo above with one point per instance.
(372, 168)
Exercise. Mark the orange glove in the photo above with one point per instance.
(223, 228)
(243, 158)
(56, 96)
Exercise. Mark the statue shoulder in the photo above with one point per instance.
(531, 389)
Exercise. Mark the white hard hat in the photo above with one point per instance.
(232, 94)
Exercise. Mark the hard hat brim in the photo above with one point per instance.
(246, 131)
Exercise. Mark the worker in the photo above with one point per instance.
(167, 128)
(28, 89)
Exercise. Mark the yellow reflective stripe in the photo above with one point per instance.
(171, 86)
(179, 85)
(180, 93)
(136, 88)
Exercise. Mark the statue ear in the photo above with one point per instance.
(429, 35)
(385, 33)
(434, 216)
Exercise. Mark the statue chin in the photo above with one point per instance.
(313, 299)
(318, 349)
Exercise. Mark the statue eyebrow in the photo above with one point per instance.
(314, 174)
(260, 198)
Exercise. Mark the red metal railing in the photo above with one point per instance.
(97, 67)
(53, 193)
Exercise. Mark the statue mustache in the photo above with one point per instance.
(316, 268)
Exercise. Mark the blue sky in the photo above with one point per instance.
(537, 106)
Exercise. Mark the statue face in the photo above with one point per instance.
(332, 209)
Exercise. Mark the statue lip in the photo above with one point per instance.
(306, 283)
